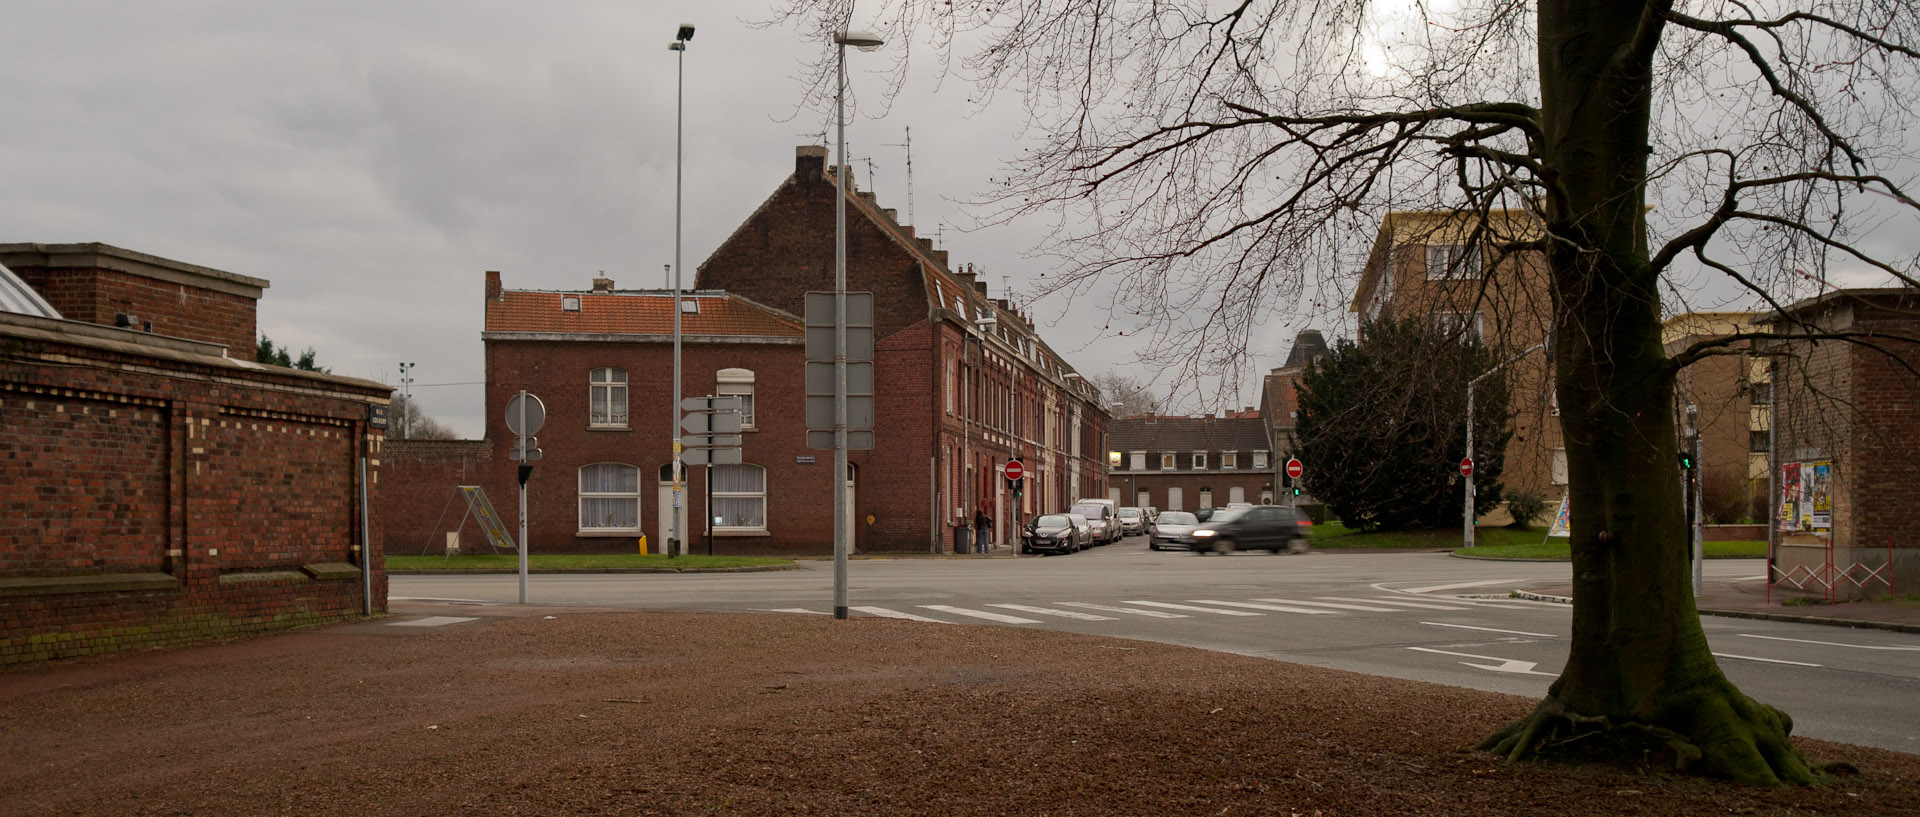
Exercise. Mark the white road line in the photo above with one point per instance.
(1767, 660)
(1361, 607)
(1278, 608)
(1513, 666)
(433, 621)
(794, 610)
(1832, 643)
(430, 598)
(882, 612)
(1485, 629)
(1214, 610)
(1128, 610)
(1049, 611)
(962, 611)
(1416, 604)
(1482, 583)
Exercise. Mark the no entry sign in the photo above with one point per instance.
(1014, 470)
(1295, 469)
(1466, 466)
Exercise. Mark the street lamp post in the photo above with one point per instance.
(406, 393)
(678, 46)
(1467, 522)
(865, 42)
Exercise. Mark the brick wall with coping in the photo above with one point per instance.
(96, 283)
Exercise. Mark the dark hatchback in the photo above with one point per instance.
(1052, 533)
(1262, 527)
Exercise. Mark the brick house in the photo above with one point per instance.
(1846, 442)
(963, 384)
(1280, 399)
(1186, 463)
(1733, 428)
(160, 487)
(1482, 280)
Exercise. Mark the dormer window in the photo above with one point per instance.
(570, 303)
(689, 306)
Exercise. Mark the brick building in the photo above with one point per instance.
(1481, 279)
(1846, 442)
(157, 486)
(1733, 427)
(1280, 398)
(1186, 463)
(963, 384)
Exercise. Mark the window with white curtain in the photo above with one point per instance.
(737, 383)
(607, 395)
(609, 497)
(1259, 460)
(740, 498)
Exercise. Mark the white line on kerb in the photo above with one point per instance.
(1832, 643)
(1485, 629)
(1482, 583)
(1766, 660)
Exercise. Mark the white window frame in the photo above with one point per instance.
(721, 492)
(1559, 466)
(1229, 460)
(737, 383)
(1450, 262)
(580, 483)
(1137, 461)
(1199, 460)
(1169, 462)
(1259, 460)
(604, 384)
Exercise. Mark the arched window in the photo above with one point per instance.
(737, 382)
(607, 395)
(609, 497)
(740, 498)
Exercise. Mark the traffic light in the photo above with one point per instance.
(1013, 486)
(1291, 484)
(1686, 460)
(1296, 490)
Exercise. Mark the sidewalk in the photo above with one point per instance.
(1747, 598)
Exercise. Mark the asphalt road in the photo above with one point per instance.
(1420, 616)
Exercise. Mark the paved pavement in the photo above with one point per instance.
(1750, 598)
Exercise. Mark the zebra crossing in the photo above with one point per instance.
(1043, 613)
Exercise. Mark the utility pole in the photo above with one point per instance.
(1467, 523)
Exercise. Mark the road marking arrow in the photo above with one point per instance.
(1509, 665)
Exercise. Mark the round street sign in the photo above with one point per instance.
(1295, 469)
(1466, 466)
(525, 414)
(1014, 470)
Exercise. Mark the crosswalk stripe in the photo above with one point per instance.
(882, 612)
(795, 610)
(1049, 611)
(1366, 608)
(1278, 608)
(1128, 610)
(1414, 604)
(962, 611)
(1213, 610)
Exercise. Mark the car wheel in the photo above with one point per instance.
(1297, 546)
(1223, 546)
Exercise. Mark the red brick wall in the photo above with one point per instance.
(178, 310)
(418, 506)
(212, 510)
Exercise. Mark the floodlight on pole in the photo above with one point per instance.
(406, 394)
(865, 42)
(679, 47)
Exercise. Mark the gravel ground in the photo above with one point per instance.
(639, 713)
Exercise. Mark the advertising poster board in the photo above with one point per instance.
(1819, 495)
(1788, 518)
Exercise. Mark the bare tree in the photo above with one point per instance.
(406, 420)
(1214, 160)
(1126, 396)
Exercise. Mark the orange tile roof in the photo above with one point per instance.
(636, 313)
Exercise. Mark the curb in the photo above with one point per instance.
(458, 571)
(1760, 616)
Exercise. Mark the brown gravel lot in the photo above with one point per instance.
(590, 713)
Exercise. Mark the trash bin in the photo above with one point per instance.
(962, 539)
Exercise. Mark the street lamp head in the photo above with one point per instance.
(676, 45)
(686, 32)
(863, 40)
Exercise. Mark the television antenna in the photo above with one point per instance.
(909, 146)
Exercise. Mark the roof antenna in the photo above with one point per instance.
(909, 146)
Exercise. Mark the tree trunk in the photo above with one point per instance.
(1640, 670)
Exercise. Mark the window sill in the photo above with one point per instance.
(609, 428)
(609, 533)
(740, 532)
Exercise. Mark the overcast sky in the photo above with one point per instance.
(373, 159)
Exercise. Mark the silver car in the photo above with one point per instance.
(1172, 530)
(1132, 520)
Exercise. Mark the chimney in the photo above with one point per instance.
(892, 214)
(602, 286)
(940, 257)
(493, 285)
(809, 161)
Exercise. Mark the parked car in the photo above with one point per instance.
(1132, 520)
(1053, 533)
(1172, 530)
(1106, 526)
(1204, 514)
(1261, 527)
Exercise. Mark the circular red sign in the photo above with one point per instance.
(1015, 470)
(1295, 469)
(1466, 466)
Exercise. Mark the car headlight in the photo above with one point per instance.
(1203, 533)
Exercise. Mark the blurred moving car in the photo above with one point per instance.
(1099, 512)
(1172, 530)
(1132, 520)
(1261, 527)
(1052, 533)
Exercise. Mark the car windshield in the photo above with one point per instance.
(1226, 514)
(1129, 512)
(1176, 518)
(1052, 520)
(1088, 511)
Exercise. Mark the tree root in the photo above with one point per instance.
(1718, 732)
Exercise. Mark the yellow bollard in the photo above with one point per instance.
(643, 544)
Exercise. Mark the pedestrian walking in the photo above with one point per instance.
(982, 530)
